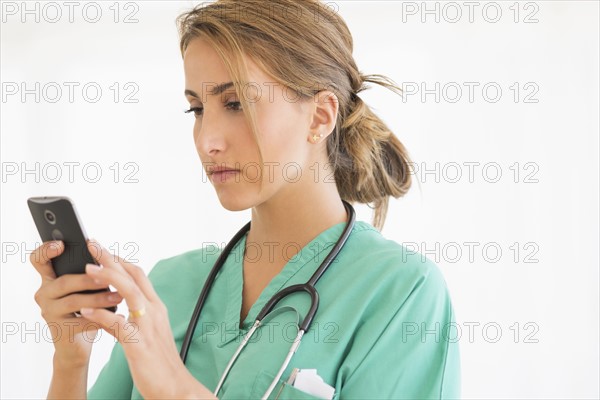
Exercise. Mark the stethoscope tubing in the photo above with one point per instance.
(187, 340)
(308, 287)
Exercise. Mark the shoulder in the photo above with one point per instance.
(183, 272)
(191, 259)
(400, 345)
(388, 284)
(400, 311)
(391, 266)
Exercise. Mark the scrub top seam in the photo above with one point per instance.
(235, 296)
(387, 325)
(449, 308)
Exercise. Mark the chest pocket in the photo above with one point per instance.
(282, 390)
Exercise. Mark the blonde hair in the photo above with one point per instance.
(307, 47)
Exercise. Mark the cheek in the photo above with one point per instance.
(276, 142)
(196, 128)
(284, 160)
(282, 125)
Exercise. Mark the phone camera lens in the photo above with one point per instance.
(50, 217)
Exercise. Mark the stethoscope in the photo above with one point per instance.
(308, 287)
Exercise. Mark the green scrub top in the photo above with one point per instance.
(383, 328)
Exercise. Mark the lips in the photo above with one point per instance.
(221, 173)
(214, 170)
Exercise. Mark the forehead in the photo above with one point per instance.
(200, 59)
(203, 66)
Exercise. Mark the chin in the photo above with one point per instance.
(231, 203)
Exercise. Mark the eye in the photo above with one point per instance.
(234, 105)
(196, 110)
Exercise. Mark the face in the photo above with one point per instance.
(223, 136)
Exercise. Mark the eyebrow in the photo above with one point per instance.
(214, 91)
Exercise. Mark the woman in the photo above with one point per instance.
(274, 90)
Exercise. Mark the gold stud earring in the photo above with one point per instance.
(317, 137)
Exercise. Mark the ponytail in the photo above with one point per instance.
(370, 163)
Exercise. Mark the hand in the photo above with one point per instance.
(72, 336)
(147, 340)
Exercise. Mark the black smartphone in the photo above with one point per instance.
(56, 219)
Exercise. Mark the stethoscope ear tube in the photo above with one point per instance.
(309, 286)
(314, 303)
(235, 356)
(338, 246)
(187, 340)
(286, 362)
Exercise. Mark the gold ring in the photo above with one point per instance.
(137, 313)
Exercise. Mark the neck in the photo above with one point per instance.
(288, 223)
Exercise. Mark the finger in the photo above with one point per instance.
(96, 250)
(121, 281)
(140, 278)
(104, 257)
(115, 324)
(72, 326)
(76, 301)
(71, 283)
(136, 273)
(41, 256)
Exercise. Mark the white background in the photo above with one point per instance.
(548, 211)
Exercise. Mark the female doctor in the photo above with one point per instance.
(280, 129)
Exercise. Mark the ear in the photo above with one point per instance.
(324, 114)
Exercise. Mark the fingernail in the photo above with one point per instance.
(114, 297)
(86, 311)
(55, 245)
(95, 248)
(93, 268)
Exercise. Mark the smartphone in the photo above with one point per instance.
(56, 219)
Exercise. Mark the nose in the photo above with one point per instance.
(208, 137)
